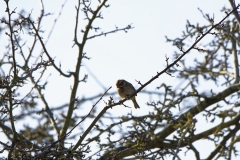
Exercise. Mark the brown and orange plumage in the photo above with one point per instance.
(125, 89)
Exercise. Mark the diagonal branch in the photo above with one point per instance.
(200, 107)
(45, 50)
(160, 137)
(193, 111)
(184, 52)
(92, 124)
(232, 2)
(223, 142)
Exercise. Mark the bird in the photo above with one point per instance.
(125, 89)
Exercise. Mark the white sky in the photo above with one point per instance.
(139, 54)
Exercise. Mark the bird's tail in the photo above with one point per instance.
(135, 103)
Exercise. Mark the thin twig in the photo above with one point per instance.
(88, 130)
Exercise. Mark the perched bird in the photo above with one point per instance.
(125, 89)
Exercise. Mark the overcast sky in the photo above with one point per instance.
(136, 55)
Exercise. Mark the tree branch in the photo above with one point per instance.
(223, 142)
